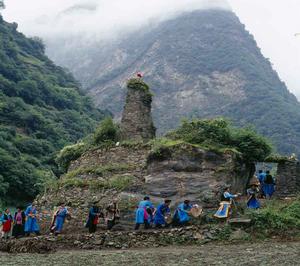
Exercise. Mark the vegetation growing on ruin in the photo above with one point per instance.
(276, 158)
(107, 131)
(100, 171)
(219, 135)
(116, 182)
(138, 84)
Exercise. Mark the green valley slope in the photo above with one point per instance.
(41, 110)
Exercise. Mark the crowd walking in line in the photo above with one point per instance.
(25, 223)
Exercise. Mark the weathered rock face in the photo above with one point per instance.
(288, 178)
(177, 172)
(185, 171)
(136, 123)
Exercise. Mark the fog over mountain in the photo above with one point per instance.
(273, 23)
(100, 18)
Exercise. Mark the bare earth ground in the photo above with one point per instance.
(263, 253)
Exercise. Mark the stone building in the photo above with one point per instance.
(137, 123)
(288, 178)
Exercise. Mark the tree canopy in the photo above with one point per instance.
(42, 109)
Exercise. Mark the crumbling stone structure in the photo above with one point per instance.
(137, 123)
(288, 178)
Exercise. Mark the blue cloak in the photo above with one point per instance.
(31, 224)
(253, 202)
(161, 212)
(268, 189)
(181, 213)
(141, 213)
(60, 219)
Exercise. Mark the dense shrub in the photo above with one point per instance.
(107, 131)
(219, 134)
(70, 153)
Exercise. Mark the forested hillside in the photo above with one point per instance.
(200, 64)
(41, 110)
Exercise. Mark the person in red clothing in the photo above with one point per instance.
(7, 220)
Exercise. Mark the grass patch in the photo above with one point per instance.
(277, 216)
(116, 182)
(161, 148)
(98, 170)
(277, 158)
(133, 144)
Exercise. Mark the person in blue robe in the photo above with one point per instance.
(261, 179)
(269, 185)
(31, 224)
(252, 192)
(144, 213)
(162, 211)
(225, 205)
(181, 216)
(59, 219)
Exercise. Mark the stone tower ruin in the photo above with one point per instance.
(137, 123)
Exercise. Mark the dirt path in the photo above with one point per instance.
(264, 253)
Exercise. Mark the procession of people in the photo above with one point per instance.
(24, 223)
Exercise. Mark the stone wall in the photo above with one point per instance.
(136, 123)
(134, 156)
(190, 235)
(288, 178)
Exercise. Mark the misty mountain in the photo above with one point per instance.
(200, 64)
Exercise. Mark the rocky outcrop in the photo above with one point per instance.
(131, 171)
(185, 171)
(136, 123)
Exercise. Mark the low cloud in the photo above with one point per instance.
(101, 18)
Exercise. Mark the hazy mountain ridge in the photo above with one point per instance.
(201, 64)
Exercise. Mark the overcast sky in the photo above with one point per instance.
(272, 22)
